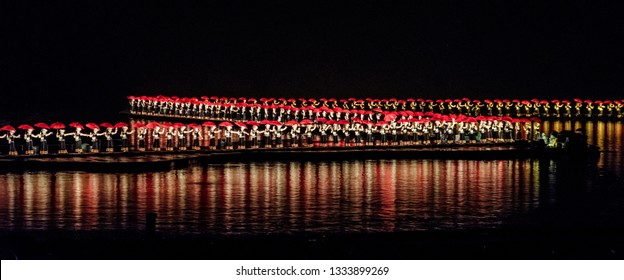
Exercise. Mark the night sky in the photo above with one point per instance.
(83, 59)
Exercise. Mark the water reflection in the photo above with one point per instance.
(277, 197)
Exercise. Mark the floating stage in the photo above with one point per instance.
(151, 161)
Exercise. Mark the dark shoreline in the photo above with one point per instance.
(506, 243)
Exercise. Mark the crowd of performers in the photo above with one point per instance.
(40, 133)
(282, 109)
(326, 130)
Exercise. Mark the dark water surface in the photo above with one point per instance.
(318, 197)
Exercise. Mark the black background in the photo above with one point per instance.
(82, 59)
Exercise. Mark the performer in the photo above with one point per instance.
(382, 129)
(508, 129)
(323, 131)
(404, 133)
(28, 138)
(11, 136)
(577, 108)
(292, 136)
(254, 134)
(44, 141)
(156, 141)
(196, 135)
(212, 133)
(266, 136)
(417, 133)
(309, 142)
(60, 136)
(124, 138)
(108, 135)
(278, 130)
(346, 131)
(95, 142)
(369, 130)
(182, 133)
(568, 108)
(227, 133)
(242, 134)
(169, 136)
(394, 131)
(334, 139)
(77, 135)
(141, 132)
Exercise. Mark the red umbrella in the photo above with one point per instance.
(178, 125)
(76, 125)
(343, 122)
(578, 100)
(92, 126)
(544, 102)
(253, 123)
(390, 117)
(57, 125)
(152, 125)
(382, 123)
(535, 119)
(121, 124)
(306, 121)
(138, 125)
(208, 124)
(378, 110)
(291, 123)
(107, 125)
(240, 124)
(7, 128)
(25, 126)
(42, 125)
(588, 101)
(225, 124)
